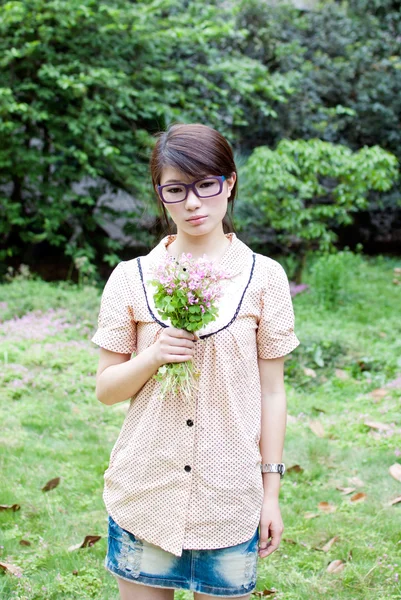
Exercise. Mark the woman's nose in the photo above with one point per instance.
(192, 200)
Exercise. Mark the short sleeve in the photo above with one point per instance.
(116, 325)
(275, 334)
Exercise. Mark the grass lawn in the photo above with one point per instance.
(339, 435)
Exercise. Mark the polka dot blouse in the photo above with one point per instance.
(187, 475)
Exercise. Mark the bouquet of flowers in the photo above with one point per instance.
(187, 291)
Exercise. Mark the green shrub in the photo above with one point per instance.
(303, 190)
(332, 276)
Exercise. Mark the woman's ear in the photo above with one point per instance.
(231, 182)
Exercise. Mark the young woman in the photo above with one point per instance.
(192, 489)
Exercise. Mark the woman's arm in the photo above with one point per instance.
(274, 417)
(119, 378)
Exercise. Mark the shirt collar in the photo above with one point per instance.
(233, 261)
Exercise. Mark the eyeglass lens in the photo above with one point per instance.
(204, 188)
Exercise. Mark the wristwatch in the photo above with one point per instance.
(273, 468)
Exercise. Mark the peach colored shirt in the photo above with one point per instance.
(187, 476)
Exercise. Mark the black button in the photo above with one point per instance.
(190, 422)
(187, 468)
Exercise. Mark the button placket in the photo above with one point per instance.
(189, 423)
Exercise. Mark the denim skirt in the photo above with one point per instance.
(222, 572)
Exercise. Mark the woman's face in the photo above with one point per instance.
(185, 214)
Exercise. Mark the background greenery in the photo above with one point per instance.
(84, 85)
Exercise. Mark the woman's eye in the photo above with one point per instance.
(175, 190)
(205, 184)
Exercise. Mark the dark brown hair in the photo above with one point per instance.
(196, 150)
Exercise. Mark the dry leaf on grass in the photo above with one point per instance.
(9, 568)
(326, 507)
(395, 501)
(345, 490)
(378, 426)
(311, 515)
(50, 485)
(87, 543)
(329, 544)
(264, 593)
(379, 393)
(295, 469)
(395, 471)
(13, 507)
(356, 481)
(317, 428)
(24, 543)
(336, 566)
(358, 497)
(309, 372)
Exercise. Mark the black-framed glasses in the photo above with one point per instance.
(171, 193)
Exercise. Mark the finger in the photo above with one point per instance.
(269, 550)
(264, 535)
(177, 358)
(271, 546)
(263, 543)
(182, 342)
(179, 350)
(181, 333)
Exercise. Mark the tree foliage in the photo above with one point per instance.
(348, 65)
(347, 89)
(304, 189)
(84, 85)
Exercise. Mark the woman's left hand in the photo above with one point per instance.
(271, 527)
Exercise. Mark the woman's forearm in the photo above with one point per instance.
(122, 381)
(273, 425)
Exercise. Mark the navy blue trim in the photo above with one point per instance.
(206, 335)
(146, 296)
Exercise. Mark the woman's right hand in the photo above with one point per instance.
(174, 346)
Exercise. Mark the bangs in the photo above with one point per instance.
(189, 164)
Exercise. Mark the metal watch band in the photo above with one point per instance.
(273, 468)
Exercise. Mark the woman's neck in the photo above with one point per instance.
(213, 245)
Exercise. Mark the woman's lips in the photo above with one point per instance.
(197, 220)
